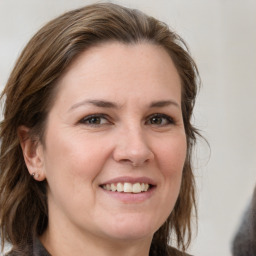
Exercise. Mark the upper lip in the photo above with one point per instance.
(130, 179)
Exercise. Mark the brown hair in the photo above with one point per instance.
(29, 95)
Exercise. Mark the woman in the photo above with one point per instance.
(97, 140)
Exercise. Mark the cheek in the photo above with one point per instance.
(172, 155)
(171, 158)
(73, 157)
(71, 169)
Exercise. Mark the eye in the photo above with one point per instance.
(95, 120)
(160, 120)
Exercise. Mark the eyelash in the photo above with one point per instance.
(86, 120)
(170, 120)
(99, 117)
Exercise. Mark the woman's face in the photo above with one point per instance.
(116, 123)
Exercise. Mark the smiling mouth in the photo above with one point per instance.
(127, 187)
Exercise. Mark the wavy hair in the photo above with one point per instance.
(29, 95)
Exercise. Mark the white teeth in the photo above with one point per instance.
(120, 187)
(113, 187)
(136, 188)
(127, 187)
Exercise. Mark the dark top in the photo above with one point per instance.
(37, 249)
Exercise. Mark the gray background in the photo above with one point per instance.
(222, 38)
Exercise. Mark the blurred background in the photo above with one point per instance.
(221, 35)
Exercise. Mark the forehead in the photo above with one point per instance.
(112, 67)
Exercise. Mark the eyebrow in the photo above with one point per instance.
(164, 103)
(97, 103)
(109, 104)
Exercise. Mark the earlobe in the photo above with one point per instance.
(32, 153)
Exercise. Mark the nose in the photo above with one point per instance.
(132, 148)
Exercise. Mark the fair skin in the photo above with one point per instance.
(116, 118)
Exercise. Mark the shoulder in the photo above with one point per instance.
(14, 253)
(167, 251)
(10, 254)
(34, 249)
(18, 253)
(174, 252)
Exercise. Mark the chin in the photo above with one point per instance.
(132, 229)
(130, 235)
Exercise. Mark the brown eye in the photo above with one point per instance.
(160, 120)
(94, 120)
(156, 120)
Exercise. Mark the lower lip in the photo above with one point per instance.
(131, 197)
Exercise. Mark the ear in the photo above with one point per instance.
(32, 152)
